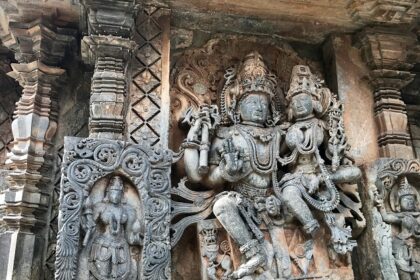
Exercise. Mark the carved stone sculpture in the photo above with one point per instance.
(109, 251)
(397, 201)
(114, 211)
(310, 182)
(240, 149)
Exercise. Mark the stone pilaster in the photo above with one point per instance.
(108, 48)
(148, 111)
(40, 49)
(387, 53)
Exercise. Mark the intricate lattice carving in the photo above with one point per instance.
(86, 161)
(146, 115)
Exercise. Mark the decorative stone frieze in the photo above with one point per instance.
(386, 12)
(148, 112)
(114, 218)
(389, 57)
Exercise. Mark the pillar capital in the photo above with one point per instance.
(388, 52)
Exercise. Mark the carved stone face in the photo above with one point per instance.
(301, 105)
(254, 108)
(115, 196)
(408, 203)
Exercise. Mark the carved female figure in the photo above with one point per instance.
(305, 139)
(113, 226)
(404, 249)
(242, 155)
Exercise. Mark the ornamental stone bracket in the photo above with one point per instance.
(40, 49)
(389, 55)
(391, 207)
(114, 211)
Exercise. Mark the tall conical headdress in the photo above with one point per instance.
(406, 188)
(301, 81)
(251, 76)
(116, 184)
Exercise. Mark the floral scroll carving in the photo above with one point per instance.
(138, 218)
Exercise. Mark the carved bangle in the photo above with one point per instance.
(190, 144)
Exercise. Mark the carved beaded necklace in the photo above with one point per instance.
(250, 136)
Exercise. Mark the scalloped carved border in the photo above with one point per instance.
(86, 161)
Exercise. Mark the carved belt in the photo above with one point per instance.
(250, 191)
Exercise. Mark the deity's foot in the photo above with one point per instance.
(312, 227)
(255, 260)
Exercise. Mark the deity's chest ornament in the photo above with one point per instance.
(262, 146)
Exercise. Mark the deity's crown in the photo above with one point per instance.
(406, 189)
(116, 184)
(301, 81)
(254, 76)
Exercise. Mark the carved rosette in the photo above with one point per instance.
(88, 160)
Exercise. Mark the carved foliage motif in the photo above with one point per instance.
(88, 160)
(199, 75)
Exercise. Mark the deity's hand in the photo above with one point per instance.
(379, 202)
(198, 121)
(273, 205)
(231, 156)
(313, 183)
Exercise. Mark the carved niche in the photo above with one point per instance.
(396, 217)
(291, 251)
(114, 211)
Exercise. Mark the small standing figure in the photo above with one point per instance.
(111, 227)
(404, 249)
(310, 140)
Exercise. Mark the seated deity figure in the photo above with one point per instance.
(309, 185)
(406, 253)
(111, 228)
(242, 157)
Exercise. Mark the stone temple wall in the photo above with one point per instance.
(189, 140)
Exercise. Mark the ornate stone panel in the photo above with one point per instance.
(286, 208)
(114, 196)
(392, 206)
(148, 112)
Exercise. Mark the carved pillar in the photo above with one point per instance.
(387, 53)
(108, 48)
(39, 48)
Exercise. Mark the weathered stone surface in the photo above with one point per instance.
(387, 54)
(97, 175)
(148, 111)
(346, 76)
(269, 228)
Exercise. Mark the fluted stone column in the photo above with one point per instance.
(40, 49)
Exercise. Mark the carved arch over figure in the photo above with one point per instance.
(198, 75)
(88, 160)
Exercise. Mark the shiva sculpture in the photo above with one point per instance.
(244, 150)
(112, 226)
(406, 253)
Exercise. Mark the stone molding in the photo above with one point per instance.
(389, 53)
(108, 47)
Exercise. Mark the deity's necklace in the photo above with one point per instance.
(264, 168)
